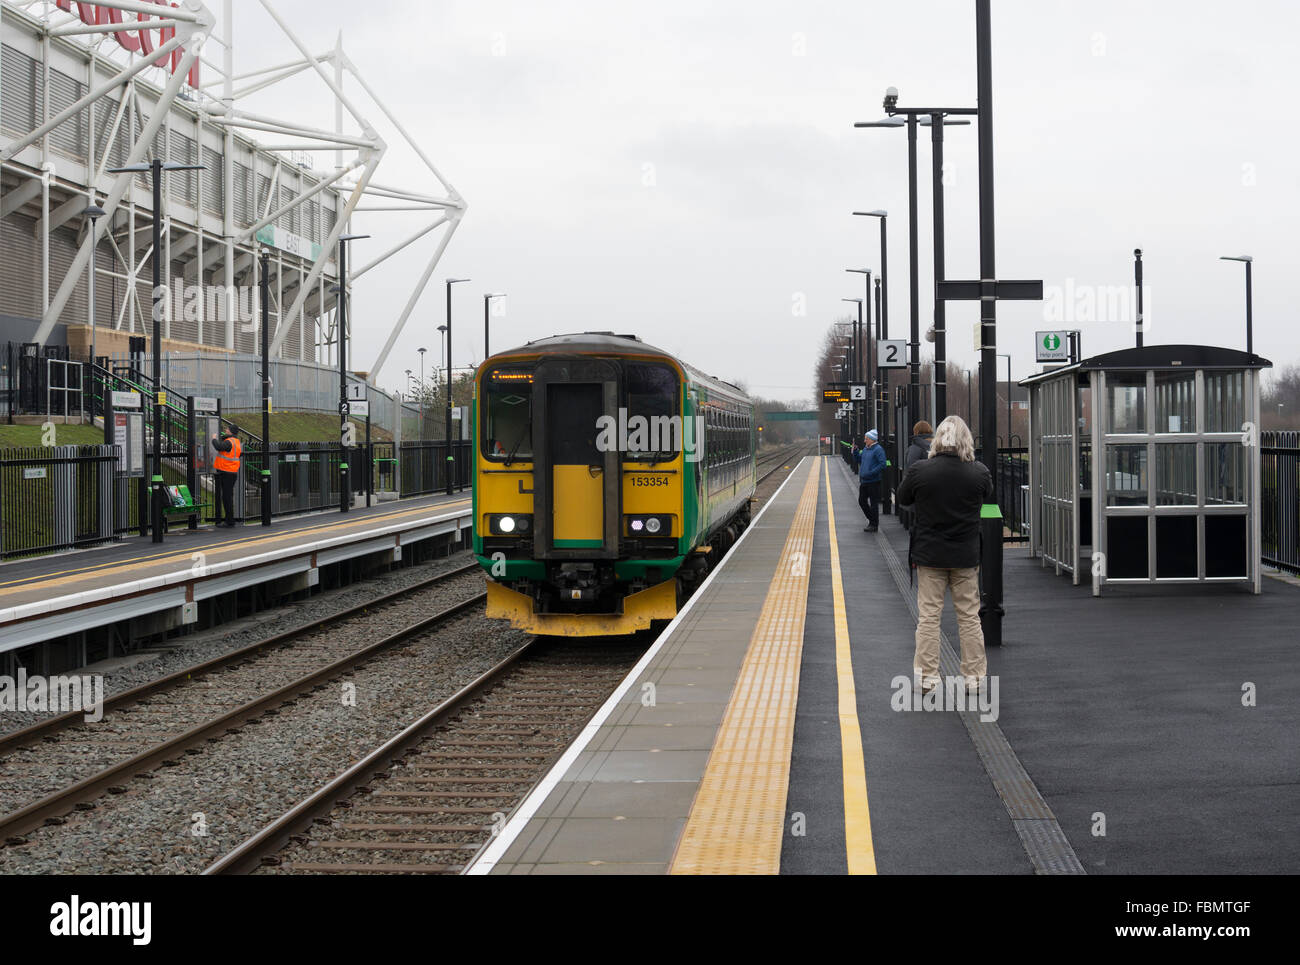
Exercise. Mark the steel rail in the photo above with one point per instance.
(51, 725)
(248, 856)
(58, 803)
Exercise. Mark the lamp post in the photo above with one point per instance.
(451, 460)
(1137, 284)
(264, 300)
(486, 301)
(970, 411)
(846, 373)
(156, 168)
(422, 388)
(867, 367)
(1250, 335)
(94, 212)
(926, 116)
(1007, 356)
(936, 123)
(855, 364)
(881, 402)
(442, 337)
(345, 427)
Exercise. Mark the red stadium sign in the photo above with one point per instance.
(137, 40)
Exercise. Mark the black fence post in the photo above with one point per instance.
(191, 477)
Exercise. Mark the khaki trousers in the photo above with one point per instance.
(930, 585)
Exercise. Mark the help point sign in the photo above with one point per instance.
(1051, 346)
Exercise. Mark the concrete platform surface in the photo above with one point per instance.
(1137, 733)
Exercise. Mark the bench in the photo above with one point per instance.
(179, 504)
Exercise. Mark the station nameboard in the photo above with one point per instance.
(126, 400)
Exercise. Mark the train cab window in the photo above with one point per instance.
(507, 415)
(651, 392)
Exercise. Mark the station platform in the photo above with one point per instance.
(773, 726)
(50, 596)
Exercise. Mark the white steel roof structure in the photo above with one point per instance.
(80, 77)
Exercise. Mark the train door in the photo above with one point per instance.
(576, 481)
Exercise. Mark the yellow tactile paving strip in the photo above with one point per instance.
(737, 821)
(857, 815)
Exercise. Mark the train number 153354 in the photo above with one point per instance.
(649, 480)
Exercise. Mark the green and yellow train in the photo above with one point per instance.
(609, 477)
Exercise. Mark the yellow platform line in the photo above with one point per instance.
(737, 821)
(857, 815)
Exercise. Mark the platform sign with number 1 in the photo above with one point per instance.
(892, 353)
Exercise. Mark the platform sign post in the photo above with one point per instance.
(195, 447)
(205, 425)
(124, 429)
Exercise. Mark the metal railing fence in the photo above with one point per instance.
(55, 497)
(1279, 509)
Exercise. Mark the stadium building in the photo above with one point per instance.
(81, 94)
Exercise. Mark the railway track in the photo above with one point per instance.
(769, 464)
(426, 800)
(157, 722)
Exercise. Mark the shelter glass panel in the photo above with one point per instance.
(1225, 401)
(1175, 402)
(1225, 474)
(1176, 474)
(1126, 475)
(1127, 401)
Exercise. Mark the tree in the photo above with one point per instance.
(1279, 400)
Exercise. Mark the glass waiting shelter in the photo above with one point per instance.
(1144, 466)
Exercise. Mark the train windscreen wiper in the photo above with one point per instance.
(515, 448)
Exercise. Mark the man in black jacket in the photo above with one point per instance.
(946, 492)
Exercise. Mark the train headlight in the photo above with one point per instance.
(659, 525)
(510, 524)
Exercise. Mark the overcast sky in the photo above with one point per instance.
(685, 171)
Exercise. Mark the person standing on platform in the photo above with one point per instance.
(947, 491)
(919, 448)
(871, 463)
(226, 463)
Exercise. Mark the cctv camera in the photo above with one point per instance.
(891, 98)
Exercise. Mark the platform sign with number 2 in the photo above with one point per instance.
(892, 353)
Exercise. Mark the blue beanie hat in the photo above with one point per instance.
(872, 435)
